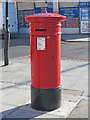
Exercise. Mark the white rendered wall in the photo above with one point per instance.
(12, 16)
(1, 16)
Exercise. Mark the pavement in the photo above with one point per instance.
(15, 81)
(76, 37)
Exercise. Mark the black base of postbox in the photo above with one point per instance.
(45, 99)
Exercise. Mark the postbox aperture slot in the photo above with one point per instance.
(40, 29)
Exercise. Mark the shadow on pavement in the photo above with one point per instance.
(25, 111)
(70, 69)
(16, 85)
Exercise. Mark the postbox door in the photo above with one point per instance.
(45, 61)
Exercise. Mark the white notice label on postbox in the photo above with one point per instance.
(40, 43)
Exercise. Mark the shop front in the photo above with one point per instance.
(71, 25)
(84, 17)
(24, 9)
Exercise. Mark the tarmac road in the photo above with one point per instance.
(74, 50)
(69, 50)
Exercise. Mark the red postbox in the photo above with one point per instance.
(45, 39)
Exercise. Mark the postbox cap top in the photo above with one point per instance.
(41, 16)
(46, 15)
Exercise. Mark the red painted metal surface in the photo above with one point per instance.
(45, 17)
(46, 64)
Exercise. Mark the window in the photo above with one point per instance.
(21, 17)
(72, 17)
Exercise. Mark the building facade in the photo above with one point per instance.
(12, 16)
(77, 13)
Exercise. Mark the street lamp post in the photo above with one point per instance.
(55, 6)
(6, 61)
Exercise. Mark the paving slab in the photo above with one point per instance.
(74, 76)
(76, 71)
(71, 92)
(49, 116)
(80, 111)
(25, 85)
(68, 102)
(24, 114)
(15, 77)
(68, 82)
(9, 88)
(82, 85)
(15, 96)
(73, 63)
(67, 105)
(74, 83)
(7, 109)
(17, 68)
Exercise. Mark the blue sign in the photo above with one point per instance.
(37, 10)
(50, 10)
(85, 14)
(70, 12)
(41, 10)
(84, 4)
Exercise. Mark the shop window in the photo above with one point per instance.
(21, 18)
(70, 23)
(72, 17)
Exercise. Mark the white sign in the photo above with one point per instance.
(40, 43)
(85, 28)
(85, 20)
(55, 6)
